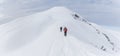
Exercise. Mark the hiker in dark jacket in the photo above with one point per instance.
(60, 29)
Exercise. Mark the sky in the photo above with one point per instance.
(102, 12)
(1, 1)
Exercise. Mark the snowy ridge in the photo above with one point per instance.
(39, 35)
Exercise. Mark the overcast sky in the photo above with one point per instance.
(103, 12)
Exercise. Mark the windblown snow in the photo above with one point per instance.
(39, 35)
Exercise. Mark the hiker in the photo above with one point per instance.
(60, 29)
(65, 31)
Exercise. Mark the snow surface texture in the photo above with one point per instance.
(39, 35)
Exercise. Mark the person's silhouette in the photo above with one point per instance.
(65, 31)
(60, 29)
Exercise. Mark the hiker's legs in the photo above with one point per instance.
(61, 30)
(65, 33)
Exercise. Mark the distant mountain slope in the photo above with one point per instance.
(39, 35)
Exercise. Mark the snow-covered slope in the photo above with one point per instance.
(39, 35)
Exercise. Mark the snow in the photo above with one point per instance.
(115, 32)
(39, 35)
